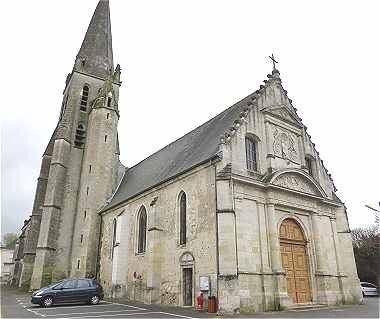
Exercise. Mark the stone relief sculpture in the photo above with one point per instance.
(295, 182)
(283, 145)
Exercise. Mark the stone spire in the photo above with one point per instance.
(95, 56)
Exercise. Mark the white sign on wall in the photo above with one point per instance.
(204, 283)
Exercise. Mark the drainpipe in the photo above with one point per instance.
(97, 268)
(217, 238)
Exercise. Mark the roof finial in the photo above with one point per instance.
(273, 61)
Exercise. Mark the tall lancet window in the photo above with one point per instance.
(113, 242)
(84, 98)
(251, 153)
(182, 219)
(141, 244)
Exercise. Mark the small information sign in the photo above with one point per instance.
(204, 283)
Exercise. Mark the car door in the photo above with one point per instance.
(84, 289)
(66, 292)
(371, 289)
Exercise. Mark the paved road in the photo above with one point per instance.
(17, 305)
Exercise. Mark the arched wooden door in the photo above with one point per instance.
(294, 261)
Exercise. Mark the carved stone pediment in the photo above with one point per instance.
(296, 182)
(283, 113)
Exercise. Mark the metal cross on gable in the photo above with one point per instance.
(273, 61)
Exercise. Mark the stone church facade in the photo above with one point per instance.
(241, 208)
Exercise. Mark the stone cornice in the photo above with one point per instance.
(96, 77)
(267, 186)
(271, 118)
(107, 108)
(225, 211)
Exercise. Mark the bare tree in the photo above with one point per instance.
(366, 244)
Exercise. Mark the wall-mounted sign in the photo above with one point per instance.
(204, 283)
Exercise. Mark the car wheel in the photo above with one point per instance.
(94, 300)
(47, 302)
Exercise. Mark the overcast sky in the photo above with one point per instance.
(186, 61)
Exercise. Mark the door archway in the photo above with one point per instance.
(294, 261)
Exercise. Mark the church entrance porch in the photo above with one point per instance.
(294, 261)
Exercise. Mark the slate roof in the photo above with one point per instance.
(191, 150)
(96, 48)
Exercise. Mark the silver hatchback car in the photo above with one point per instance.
(369, 289)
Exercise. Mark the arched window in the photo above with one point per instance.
(141, 244)
(182, 219)
(84, 98)
(251, 153)
(113, 242)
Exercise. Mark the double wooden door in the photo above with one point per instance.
(294, 261)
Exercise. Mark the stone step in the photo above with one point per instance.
(306, 306)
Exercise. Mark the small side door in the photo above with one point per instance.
(66, 291)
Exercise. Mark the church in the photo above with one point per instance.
(241, 208)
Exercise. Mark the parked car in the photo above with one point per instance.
(68, 291)
(369, 289)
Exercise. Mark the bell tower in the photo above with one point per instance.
(84, 159)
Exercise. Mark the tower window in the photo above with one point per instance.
(109, 102)
(90, 169)
(84, 98)
(87, 191)
(105, 138)
(85, 214)
(182, 219)
(141, 246)
(78, 263)
(80, 135)
(108, 116)
(81, 238)
(251, 153)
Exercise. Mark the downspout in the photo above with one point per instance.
(236, 238)
(217, 238)
(97, 268)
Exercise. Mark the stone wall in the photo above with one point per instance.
(156, 275)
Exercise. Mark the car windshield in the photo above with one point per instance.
(54, 284)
